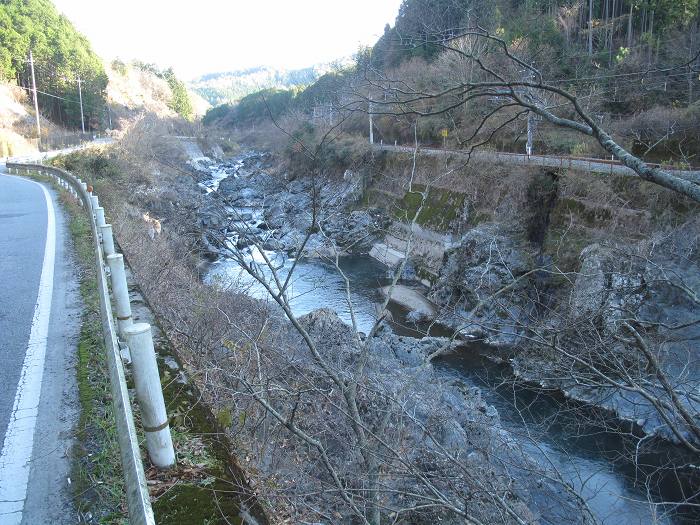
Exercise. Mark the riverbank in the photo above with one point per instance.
(220, 320)
(411, 300)
(401, 355)
(496, 260)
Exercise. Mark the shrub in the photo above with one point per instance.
(119, 66)
(216, 113)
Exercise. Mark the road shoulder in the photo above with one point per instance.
(49, 493)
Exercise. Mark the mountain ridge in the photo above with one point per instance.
(230, 86)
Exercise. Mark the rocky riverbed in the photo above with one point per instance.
(254, 205)
(252, 211)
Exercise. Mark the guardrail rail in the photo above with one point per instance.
(137, 496)
(592, 165)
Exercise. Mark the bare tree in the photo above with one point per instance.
(364, 437)
(499, 76)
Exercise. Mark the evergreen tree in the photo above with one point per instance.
(180, 102)
(61, 55)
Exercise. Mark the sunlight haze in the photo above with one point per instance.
(209, 36)
(375, 261)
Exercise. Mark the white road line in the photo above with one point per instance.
(15, 459)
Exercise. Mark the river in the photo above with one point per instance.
(587, 456)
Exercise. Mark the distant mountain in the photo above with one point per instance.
(231, 86)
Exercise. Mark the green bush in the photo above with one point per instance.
(93, 165)
(263, 105)
(180, 103)
(216, 113)
(119, 67)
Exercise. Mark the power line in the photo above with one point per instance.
(617, 75)
(92, 107)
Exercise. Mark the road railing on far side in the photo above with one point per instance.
(591, 165)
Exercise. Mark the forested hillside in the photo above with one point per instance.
(61, 56)
(571, 29)
(231, 86)
(632, 64)
(178, 99)
(66, 67)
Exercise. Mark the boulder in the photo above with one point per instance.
(471, 283)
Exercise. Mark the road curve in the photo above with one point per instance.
(40, 315)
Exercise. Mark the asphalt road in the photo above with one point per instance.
(40, 315)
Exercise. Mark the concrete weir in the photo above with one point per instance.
(387, 255)
(411, 299)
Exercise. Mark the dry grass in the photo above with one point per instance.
(136, 91)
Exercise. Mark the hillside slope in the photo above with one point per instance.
(635, 71)
(134, 89)
(61, 55)
(231, 86)
(12, 112)
(17, 122)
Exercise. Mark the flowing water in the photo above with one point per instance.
(317, 284)
(592, 458)
(588, 457)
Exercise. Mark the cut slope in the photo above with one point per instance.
(16, 121)
(134, 90)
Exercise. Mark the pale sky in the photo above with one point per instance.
(205, 36)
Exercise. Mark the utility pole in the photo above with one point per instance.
(80, 95)
(532, 117)
(530, 132)
(36, 102)
(371, 125)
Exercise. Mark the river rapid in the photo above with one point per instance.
(546, 426)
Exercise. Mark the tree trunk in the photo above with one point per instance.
(651, 34)
(590, 27)
(629, 25)
(691, 51)
(612, 32)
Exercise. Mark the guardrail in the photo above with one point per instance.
(551, 161)
(140, 343)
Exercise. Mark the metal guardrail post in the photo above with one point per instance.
(136, 488)
(107, 239)
(99, 222)
(150, 395)
(100, 217)
(120, 290)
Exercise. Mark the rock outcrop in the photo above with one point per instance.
(441, 416)
(245, 200)
(482, 286)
